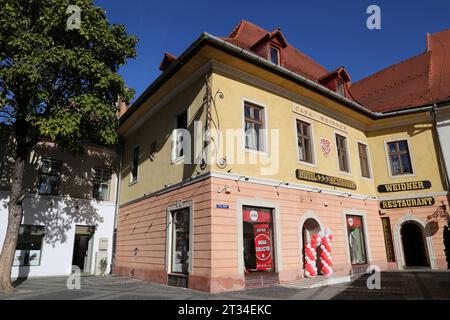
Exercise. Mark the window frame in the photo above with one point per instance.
(40, 249)
(265, 136)
(101, 182)
(47, 174)
(388, 159)
(278, 55)
(340, 84)
(132, 179)
(313, 149)
(369, 160)
(348, 158)
(174, 159)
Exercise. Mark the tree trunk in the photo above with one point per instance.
(15, 215)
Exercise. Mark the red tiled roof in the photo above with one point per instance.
(247, 34)
(417, 81)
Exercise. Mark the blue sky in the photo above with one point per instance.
(333, 33)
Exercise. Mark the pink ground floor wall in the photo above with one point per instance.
(217, 259)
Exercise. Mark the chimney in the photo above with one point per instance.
(122, 108)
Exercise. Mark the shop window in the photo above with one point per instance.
(101, 181)
(29, 246)
(49, 175)
(180, 241)
(356, 240)
(275, 55)
(304, 141)
(342, 153)
(135, 165)
(399, 158)
(254, 127)
(258, 239)
(178, 138)
(364, 160)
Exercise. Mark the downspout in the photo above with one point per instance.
(116, 210)
(440, 152)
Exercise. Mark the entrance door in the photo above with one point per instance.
(413, 245)
(82, 249)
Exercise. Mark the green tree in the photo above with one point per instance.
(58, 81)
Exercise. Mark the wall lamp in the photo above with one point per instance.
(282, 182)
(239, 179)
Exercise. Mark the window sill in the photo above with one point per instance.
(346, 173)
(132, 183)
(257, 152)
(177, 161)
(400, 176)
(309, 164)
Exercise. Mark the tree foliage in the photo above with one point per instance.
(56, 83)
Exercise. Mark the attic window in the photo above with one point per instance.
(275, 55)
(340, 89)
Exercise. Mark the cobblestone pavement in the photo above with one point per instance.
(394, 285)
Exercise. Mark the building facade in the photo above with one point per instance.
(245, 148)
(69, 213)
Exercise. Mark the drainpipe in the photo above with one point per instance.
(116, 210)
(440, 152)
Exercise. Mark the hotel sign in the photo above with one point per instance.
(407, 203)
(404, 186)
(318, 117)
(324, 179)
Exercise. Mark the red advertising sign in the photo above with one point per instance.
(263, 246)
(257, 215)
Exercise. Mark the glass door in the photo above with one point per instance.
(180, 241)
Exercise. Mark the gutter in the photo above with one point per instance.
(116, 210)
(207, 38)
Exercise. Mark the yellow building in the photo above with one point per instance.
(245, 151)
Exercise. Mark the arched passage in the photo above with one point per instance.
(412, 229)
(414, 246)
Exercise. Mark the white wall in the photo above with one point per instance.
(60, 216)
(443, 127)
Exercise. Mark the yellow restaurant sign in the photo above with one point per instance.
(407, 203)
(318, 117)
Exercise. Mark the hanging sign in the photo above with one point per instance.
(404, 186)
(263, 248)
(407, 203)
(324, 179)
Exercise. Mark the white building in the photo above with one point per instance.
(69, 216)
(443, 131)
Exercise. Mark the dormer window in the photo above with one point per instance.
(340, 90)
(275, 55)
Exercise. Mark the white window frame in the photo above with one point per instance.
(264, 152)
(278, 55)
(369, 160)
(174, 159)
(313, 147)
(349, 173)
(101, 182)
(388, 160)
(131, 182)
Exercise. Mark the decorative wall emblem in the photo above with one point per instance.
(325, 145)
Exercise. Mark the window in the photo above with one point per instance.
(254, 127)
(134, 165)
(399, 158)
(304, 141)
(101, 181)
(342, 153)
(29, 246)
(49, 176)
(258, 239)
(356, 240)
(180, 241)
(275, 55)
(178, 142)
(340, 90)
(364, 160)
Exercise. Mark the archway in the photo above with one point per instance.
(426, 240)
(308, 227)
(414, 246)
